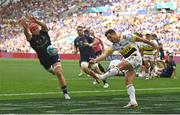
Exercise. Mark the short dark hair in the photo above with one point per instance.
(86, 31)
(79, 27)
(110, 31)
(148, 34)
(154, 35)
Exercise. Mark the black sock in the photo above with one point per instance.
(104, 81)
(101, 68)
(64, 89)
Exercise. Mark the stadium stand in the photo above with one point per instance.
(99, 15)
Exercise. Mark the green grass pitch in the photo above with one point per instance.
(26, 88)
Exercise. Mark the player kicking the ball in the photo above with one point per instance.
(125, 44)
(39, 41)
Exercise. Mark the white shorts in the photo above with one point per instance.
(114, 63)
(135, 60)
(148, 57)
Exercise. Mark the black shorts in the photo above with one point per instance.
(87, 58)
(47, 62)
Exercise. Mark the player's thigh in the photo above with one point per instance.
(84, 64)
(132, 62)
(124, 65)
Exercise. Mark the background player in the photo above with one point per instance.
(149, 55)
(98, 48)
(170, 68)
(83, 44)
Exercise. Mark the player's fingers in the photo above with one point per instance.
(29, 16)
(21, 22)
(92, 60)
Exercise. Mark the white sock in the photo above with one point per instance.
(143, 73)
(147, 75)
(131, 93)
(111, 72)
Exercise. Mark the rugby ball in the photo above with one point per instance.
(52, 50)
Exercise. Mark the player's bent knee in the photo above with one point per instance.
(94, 66)
(84, 65)
(57, 68)
(58, 72)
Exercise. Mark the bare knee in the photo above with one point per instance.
(58, 72)
(57, 69)
(84, 66)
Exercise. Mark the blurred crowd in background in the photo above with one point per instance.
(63, 16)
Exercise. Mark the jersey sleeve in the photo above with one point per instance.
(130, 37)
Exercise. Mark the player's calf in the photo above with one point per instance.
(85, 68)
(58, 72)
(112, 72)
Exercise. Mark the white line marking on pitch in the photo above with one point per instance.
(95, 91)
(84, 78)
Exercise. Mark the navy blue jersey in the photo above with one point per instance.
(40, 43)
(170, 66)
(85, 51)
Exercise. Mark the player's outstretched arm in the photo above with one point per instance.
(35, 20)
(102, 56)
(139, 39)
(27, 33)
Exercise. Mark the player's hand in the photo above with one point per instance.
(23, 22)
(92, 61)
(87, 44)
(31, 18)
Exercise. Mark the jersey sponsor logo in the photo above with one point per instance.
(126, 52)
(126, 49)
(41, 43)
